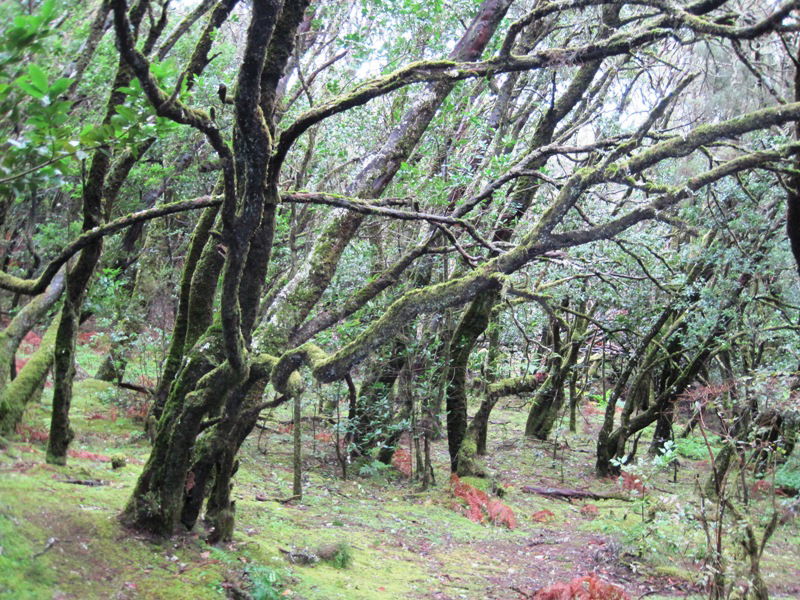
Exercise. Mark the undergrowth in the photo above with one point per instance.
(342, 557)
(267, 583)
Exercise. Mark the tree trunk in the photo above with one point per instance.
(550, 397)
(473, 323)
(20, 325)
(28, 383)
(178, 346)
(61, 433)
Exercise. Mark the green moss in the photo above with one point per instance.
(675, 572)
(468, 462)
(21, 574)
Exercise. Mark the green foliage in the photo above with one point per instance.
(788, 474)
(601, 399)
(106, 297)
(694, 447)
(373, 469)
(266, 583)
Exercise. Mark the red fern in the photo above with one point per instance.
(543, 516)
(479, 507)
(632, 482)
(588, 587)
(88, 455)
(32, 434)
(500, 514)
(401, 460)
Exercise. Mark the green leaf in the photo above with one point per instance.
(59, 86)
(48, 9)
(30, 90)
(118, 122)
(38, 77)
(128, 113)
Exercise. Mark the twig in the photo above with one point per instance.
(288, 500)
(520, 592)
(50, 543)
(136, 388)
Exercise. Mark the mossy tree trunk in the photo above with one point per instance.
(178, 343)
(471, 326)
(669, 374)
(24, 322)
(100, 190)
(215, 372)
(28, 383)
(549, 399)
(61, 433)
(480, 422)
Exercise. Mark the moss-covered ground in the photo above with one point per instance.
(60, 538)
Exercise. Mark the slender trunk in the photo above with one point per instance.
(549, 400)
(61, 433)
(472, 324)
(297, 448)
(178, 346)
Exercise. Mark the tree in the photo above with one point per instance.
(503, 195)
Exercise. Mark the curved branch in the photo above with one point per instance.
(365, 208)
(37, 286)
(460, 290)
(447, 70)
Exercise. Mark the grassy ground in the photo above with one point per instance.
(61, 539)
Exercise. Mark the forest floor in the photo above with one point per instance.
(60, 538)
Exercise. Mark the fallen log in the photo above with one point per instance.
(569, 494)
(89, 482)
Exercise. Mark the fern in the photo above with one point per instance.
(479, 507)
(588, 587)
(401, 460)
(632, 483)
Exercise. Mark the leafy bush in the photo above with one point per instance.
(372, 469)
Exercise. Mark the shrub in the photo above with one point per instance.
(788, 475)
(339, 556)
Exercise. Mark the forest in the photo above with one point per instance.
(437, 299)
